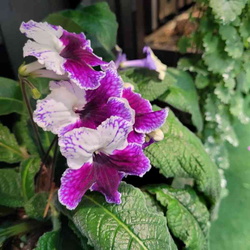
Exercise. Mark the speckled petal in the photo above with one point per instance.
(74, 184)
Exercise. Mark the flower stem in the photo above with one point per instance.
(34, 126)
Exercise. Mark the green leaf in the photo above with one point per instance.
(22, 131)
(10, 151)
(29, 169)
(35, 206)
(147, 83)
(10, 97)
(10, 188)
(48, 241)
(215, 57)
(181, 154)
(201, 81)
(182, 95)
(127, 226)
(187, 216)
(227, 11)
(234, 46)
(223, 93)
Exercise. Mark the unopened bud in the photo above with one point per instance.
(156, 135)
(128, 85)
(35, 93)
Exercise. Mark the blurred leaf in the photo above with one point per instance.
(223, 93)
(49, 241)
(130, 225)
(10, 151)
(187, 216)
(182, 95)
(226, 11)
(10, 188)
(35, 206)
(29, 169)
(10, 97)
(234, 46)
(231, 230)
(181, 154)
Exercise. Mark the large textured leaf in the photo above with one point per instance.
(147, 83)
(10, 151)
(10, 188)
(187, 216)
(10, 97)
(130, 225)
(182, 95)
(48, 241)
(181, 154)
(234, 46)
(29, 169)
(226, 11)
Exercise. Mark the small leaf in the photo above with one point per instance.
(10, 97)
(10, 188)
(127, 226)
(181, 154)
(29, 169)
(10, 151)
(35, 206)
(182, 95)
(187, 216)
(227, 11)
(234, 46)
(48, 241)
(223, 93)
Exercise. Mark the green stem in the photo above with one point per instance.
(34, 126)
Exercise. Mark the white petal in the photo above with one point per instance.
(114, 133)
(57, 109)
(46, 55)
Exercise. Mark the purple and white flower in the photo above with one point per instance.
(68, 106)
(98, 160)
(146, 120)
(63, 52)
(150, 61)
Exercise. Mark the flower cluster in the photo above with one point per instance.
(101, 123)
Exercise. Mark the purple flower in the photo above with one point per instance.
(146, 120)
(68, 106)
(62, 52)
(98, 160)
(150, 61)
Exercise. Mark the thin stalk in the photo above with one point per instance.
(34, 126)
(53, 164)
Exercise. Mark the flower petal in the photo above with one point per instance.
(46, 55)
(146, 123)
(74, 184)
(111, 86)
(130, 160)
(136, 102)
(135, 137)
(107, 182)
(114, 132)
(57, 109)
(82, 74)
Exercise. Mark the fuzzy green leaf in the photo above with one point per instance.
(10, 97)
(48, 241)
(181, 154)
(10, 188)
(234, 46)
(35, 206)
(130, 225)
(10, 151)
(29, 169)
(227, 11)
(182, 95)
(147, 83)
(187, 216)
